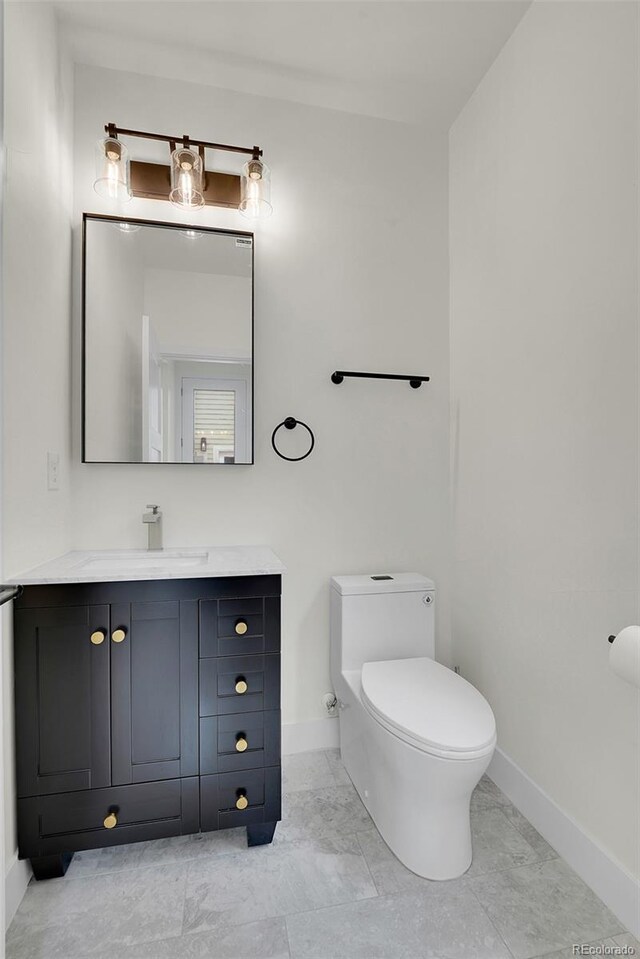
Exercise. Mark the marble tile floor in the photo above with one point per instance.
(327, 888)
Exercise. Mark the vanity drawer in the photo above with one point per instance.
(234, 684)
(68, 822)
(220, 795)
(229, 627)
(239, 741)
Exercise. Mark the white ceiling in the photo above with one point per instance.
(410, 60)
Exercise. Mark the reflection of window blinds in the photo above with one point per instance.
(213, 422)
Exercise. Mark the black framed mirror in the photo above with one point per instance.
(167, 370)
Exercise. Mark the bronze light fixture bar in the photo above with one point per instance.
(114, 131)
(153, 180)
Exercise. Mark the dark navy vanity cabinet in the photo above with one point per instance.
(145, 709)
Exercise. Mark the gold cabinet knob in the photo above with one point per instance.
(241, 685)
(241, 627)
(98, 636)
(242, 802)
(118, 635)
(241, 743)
(110, 821)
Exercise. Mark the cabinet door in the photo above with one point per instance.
(154, 691)
(62, 699)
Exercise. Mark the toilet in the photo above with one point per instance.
(415, 737)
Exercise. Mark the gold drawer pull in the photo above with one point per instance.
(241, 743)
(241, 685)
(98, 637)
(110, 821)
(118, 635)
(241, 627)
(242, 802)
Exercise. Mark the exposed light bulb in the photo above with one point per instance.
(112, 178)
(186, 185)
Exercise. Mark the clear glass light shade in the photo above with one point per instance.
(113, 175)
(255, 189)
(186, 179)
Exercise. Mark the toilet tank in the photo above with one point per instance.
(380, 616)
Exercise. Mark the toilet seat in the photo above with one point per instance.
(430, 707)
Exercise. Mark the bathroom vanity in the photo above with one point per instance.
(147, 695)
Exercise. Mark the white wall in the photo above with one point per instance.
(351, 272)
(36, 326)
(544, 261)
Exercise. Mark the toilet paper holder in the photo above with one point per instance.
(624, 654)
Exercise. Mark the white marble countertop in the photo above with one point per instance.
(118, 565)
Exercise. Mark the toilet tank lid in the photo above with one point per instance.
(381, 583)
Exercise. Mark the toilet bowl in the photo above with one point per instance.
(415, 737)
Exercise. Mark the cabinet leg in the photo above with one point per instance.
(51, 867)
(260, 833)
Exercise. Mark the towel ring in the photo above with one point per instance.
(290, 423)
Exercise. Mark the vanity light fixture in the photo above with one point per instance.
(186, 183)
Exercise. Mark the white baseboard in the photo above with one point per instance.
(316, 734)
(15, 885)
(609, 879)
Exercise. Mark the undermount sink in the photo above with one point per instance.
(140, 559)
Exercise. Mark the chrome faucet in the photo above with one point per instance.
(154, 521)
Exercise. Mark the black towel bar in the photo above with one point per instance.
(414, 381)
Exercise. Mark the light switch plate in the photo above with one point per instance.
(53, 471)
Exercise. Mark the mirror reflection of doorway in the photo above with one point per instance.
(214, 420)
